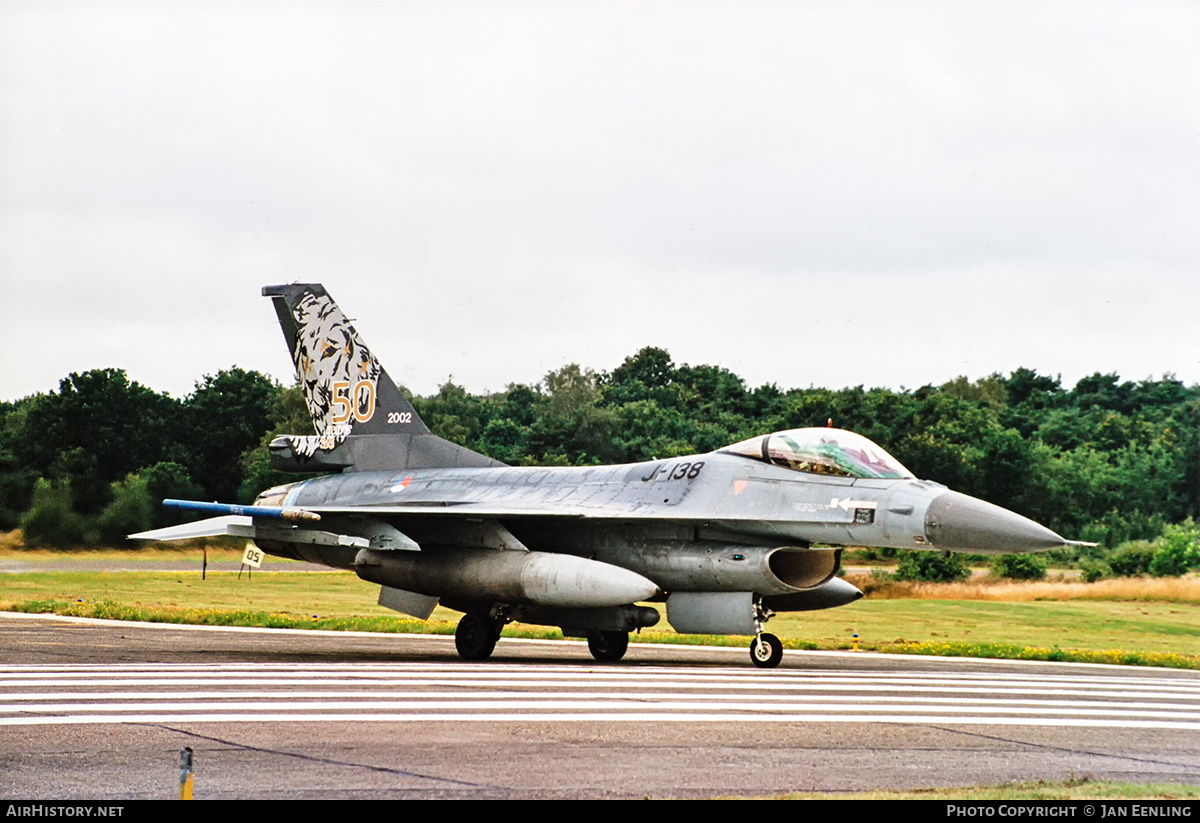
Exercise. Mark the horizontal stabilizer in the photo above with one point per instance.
(262, 522)
(234, 524)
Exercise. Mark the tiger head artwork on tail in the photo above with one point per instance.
(346, 389)
(339, 374)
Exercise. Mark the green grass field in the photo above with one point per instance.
(1134, 630)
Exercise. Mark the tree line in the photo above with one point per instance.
(1107, 460)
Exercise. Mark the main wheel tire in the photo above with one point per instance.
(766, 651)
(475, 638)
(608, 647)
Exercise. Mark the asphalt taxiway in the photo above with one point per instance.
(100, 710)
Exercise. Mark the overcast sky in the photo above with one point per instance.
(806, 193)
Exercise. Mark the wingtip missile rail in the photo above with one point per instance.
(288, 513)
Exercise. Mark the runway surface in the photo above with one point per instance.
(101, 710)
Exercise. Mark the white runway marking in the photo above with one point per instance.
(498, 692)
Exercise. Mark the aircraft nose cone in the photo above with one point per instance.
(959, 522)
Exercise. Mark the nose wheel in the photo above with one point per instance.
(766, 650)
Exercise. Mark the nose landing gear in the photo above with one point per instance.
(766, 650)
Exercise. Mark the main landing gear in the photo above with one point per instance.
(476, 636)
(477, 633)
(608, 647)
(766, 650)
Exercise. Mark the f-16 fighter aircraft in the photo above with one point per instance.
(725, 539)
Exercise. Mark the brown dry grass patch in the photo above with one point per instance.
(1150, 589)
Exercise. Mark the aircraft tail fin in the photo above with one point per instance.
(349, 394)
(346, 388)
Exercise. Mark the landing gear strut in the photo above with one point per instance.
(766, 650)
(608, 647)
(476, 636)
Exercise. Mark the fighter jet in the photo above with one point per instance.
(726, 539)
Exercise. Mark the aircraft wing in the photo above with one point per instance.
(382, 526)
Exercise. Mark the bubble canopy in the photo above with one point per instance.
(822, 451)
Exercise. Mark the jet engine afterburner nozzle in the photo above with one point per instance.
(959, 522)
